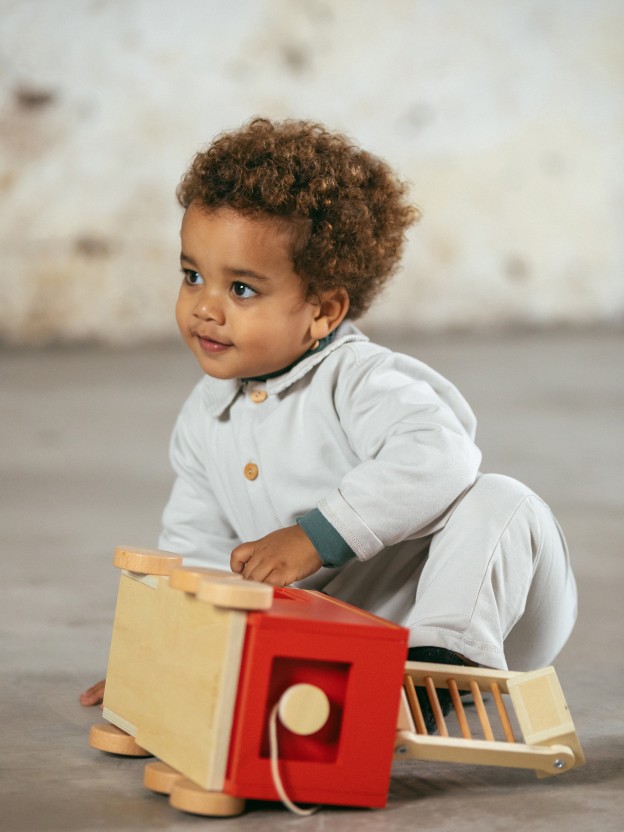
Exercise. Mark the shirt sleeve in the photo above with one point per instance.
(192, 523)
(414, 437)
(332, 549)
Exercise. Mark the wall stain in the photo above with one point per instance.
(91, 246)
(295, 58)
(517, 268)
(33, 98)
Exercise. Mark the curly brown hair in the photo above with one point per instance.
(347, 209)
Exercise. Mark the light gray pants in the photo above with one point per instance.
(495, 584)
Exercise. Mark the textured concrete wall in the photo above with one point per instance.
(505, 115)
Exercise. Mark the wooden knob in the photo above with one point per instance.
(236, 595)
(303, 709)
(187, 578)
(146, 561)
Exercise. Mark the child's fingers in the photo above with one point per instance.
(239, 557)
(94, 695)
(263, 571)
(253, 562)
(89, 699)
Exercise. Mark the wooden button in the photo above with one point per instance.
(251, 471)
(259, 396)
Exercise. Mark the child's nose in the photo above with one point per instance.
(209, 307)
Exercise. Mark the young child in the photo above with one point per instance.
(309, 455)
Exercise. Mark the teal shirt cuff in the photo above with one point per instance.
(331, 547)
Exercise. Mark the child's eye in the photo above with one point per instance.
(192, 278)
(242, 290)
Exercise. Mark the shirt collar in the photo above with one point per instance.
(220, 393)
(320, 345)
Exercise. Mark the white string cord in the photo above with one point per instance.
(277, 780)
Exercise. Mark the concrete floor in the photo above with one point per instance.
(84, 439)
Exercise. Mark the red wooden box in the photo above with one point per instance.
(358, 660)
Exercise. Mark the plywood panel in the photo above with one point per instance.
(542, 711)
(172, 676)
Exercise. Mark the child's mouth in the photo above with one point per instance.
(211, 346)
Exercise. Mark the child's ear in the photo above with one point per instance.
(333, 305)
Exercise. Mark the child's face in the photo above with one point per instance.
(242, 310)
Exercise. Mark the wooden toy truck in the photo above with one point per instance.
(248, 692)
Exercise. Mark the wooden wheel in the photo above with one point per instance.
(189, 797)
(161, 778)
(107, 737)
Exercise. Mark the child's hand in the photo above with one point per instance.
(95, 694)
(279, 559)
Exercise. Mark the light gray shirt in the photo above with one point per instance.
(378, 442)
